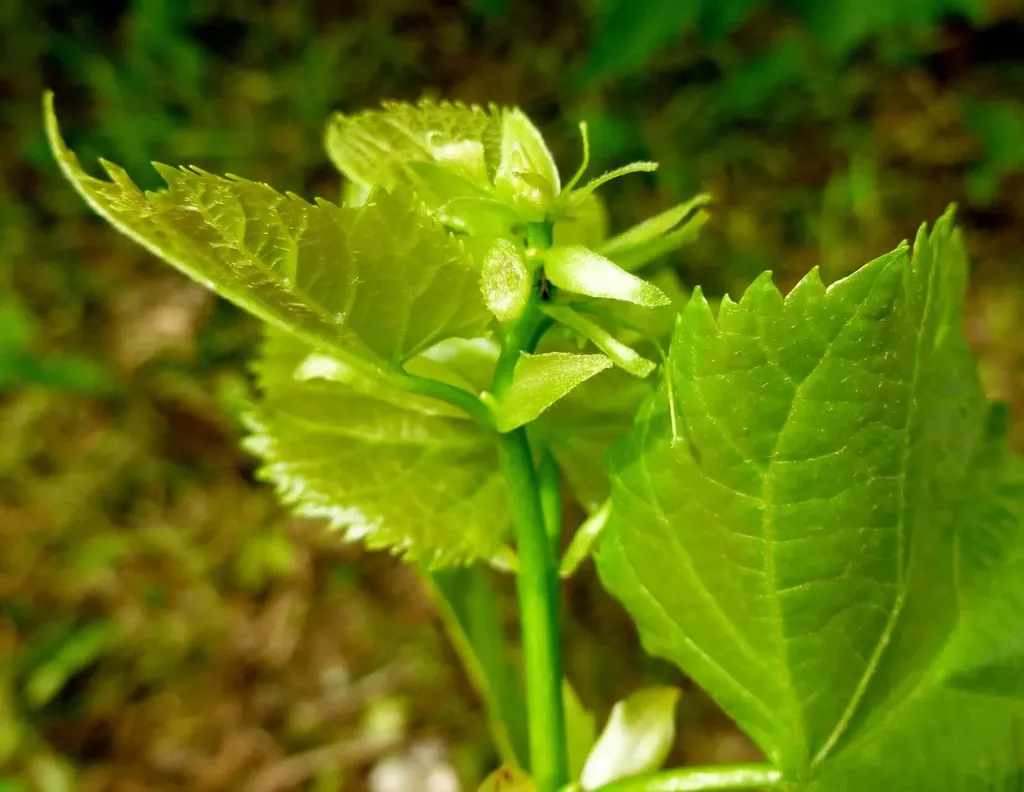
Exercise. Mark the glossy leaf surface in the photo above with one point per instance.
(795, 510)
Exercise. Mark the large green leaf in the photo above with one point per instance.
(986, 654)
(395, 471)
(788, 515)
(379, 282)
(933, 739)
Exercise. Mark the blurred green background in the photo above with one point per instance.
(163, 624)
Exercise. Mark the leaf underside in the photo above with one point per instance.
(392, 471)
(794, 523)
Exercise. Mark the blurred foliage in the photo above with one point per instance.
(163, 624)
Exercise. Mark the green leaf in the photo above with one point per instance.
(580, 730)
(523, 150)
(580, 270)
(527, 176)
(386, 467)
(581, 428)
(786, 512)
(444, 185)
(621, 355)
(650, 328)
(469, 606)
(637, 738)
(585, 224)
(584, 541)
(379, 282)
(935, 738)
(466, 363)
(480, 217)
(655, 236)
(541, 380)
(652, 227)
(986, 653)
(505, 280)
(378, 147)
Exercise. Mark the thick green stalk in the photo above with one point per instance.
(551, 499)
(538, 582)
(701, 779)
(538, 611)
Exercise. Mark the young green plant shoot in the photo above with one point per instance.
(804, 501)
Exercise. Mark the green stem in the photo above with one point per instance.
(538, 582)
(442, 391)
(701, 779)
(538, 606)
(551, 500)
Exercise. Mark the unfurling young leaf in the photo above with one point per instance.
(579, 270)
(381, 147)
(527, 176)
(541, 380)
(798, 554)
(505, 280)
(637, 738)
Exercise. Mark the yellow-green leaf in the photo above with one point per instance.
(379, 282)
(377, 147)
(621, 354)
(378, 464)
(580, 270)
(505, 280)
(541, 380)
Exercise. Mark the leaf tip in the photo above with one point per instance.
(697, 310)
(53, 135)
